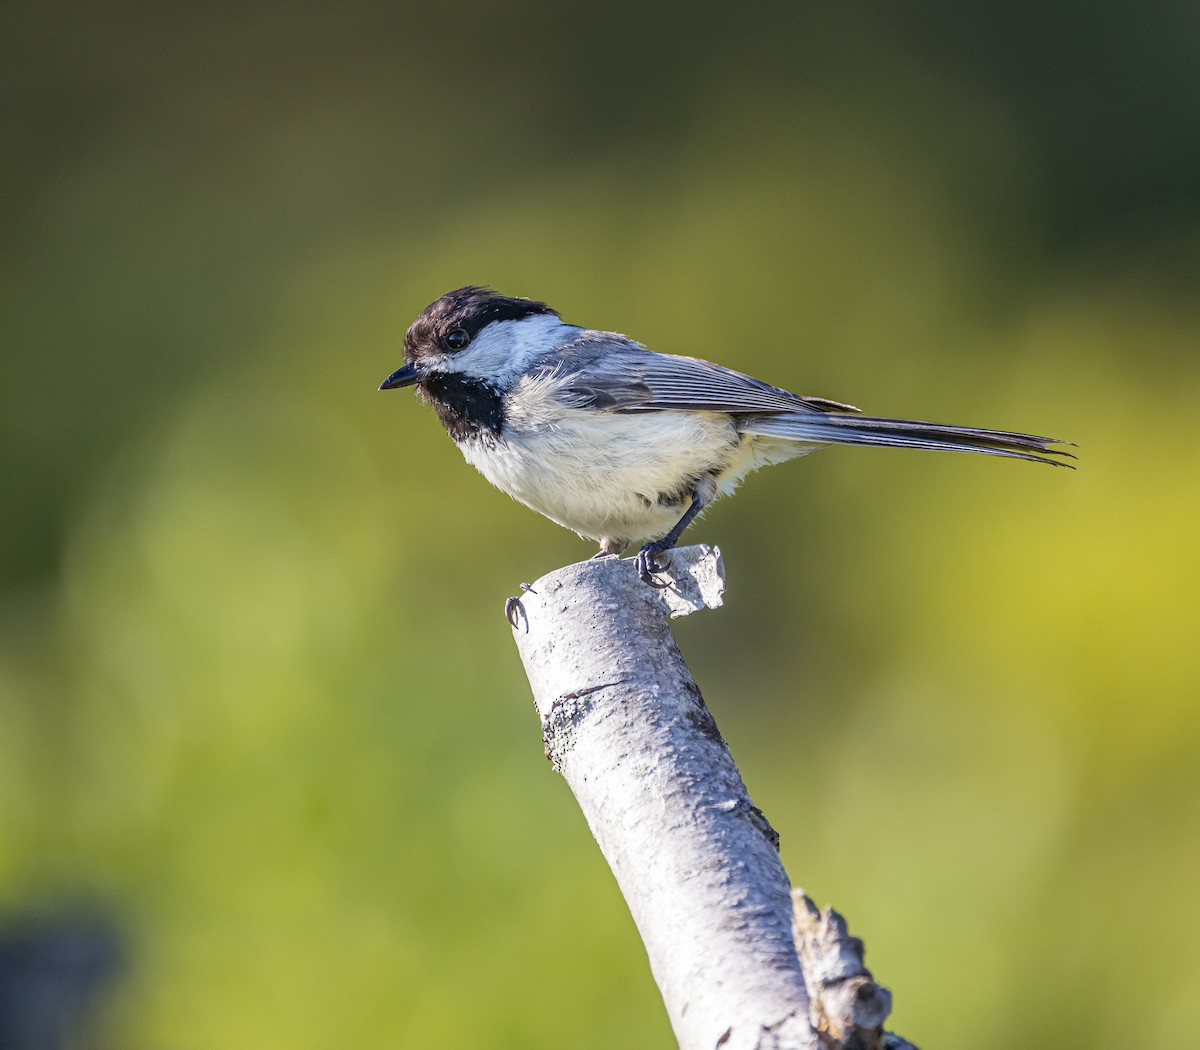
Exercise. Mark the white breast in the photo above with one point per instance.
(601, 474)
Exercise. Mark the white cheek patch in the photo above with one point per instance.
(504, 349)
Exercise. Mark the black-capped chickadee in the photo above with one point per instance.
(617, 442)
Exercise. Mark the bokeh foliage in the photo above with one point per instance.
(257, 700)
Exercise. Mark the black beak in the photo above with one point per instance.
(405, 376)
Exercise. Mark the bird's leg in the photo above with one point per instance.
(610, 548)
(647, 557)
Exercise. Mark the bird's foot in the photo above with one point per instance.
(649, 561)
(513, 611)
(610, 548)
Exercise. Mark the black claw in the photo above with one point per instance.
(513, 611)
(647, 565)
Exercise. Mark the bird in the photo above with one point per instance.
(620, 443)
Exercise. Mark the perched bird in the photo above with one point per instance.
(617, 442)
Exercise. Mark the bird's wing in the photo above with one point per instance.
(609, 372)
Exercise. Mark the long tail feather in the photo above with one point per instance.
(837, 429)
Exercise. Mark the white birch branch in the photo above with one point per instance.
(697, 862)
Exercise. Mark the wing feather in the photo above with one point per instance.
(621, 376)
(609, 372)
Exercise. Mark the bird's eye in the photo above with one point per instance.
(457, 339)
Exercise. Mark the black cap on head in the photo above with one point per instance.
(468, 309)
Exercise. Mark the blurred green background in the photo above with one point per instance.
(258, 702)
